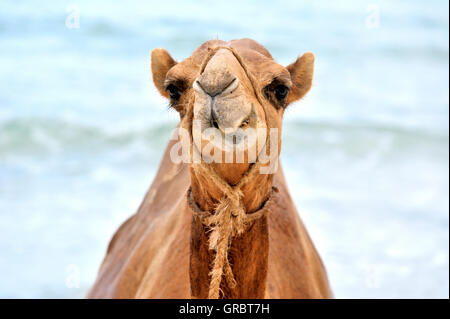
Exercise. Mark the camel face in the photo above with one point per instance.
(231, 97)
(225, 107)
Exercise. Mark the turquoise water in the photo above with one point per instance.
(82, 130)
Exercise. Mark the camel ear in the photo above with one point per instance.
(302, 72)
(161, 63)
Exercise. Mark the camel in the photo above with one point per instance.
(209, 228)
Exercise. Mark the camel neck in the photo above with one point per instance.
(247, 253)
(248, 257)
(207, 193)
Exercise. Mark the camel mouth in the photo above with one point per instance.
(229, 145)
(250, 121)
(226, 121)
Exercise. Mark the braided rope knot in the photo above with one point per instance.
(228, 221)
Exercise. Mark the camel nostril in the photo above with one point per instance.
(215, 124)
(214, 87)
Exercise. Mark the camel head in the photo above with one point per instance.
(225, 90)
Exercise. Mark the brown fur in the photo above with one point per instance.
(162, 251)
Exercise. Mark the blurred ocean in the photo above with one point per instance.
(366, 153)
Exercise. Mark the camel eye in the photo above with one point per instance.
(276, 93)
(174, 92)
(281, 91)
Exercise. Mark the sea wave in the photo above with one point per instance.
(39, 135)
(32, 135)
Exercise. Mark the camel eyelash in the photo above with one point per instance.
(178, 106)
